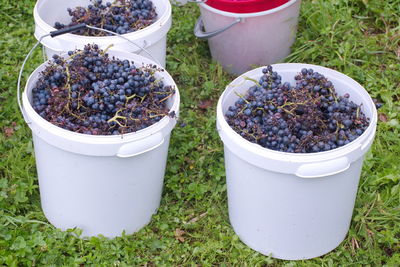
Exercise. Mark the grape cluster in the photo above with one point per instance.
(91, 93)
(304, 118)
(121, 16)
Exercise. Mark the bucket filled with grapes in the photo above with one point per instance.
(144, 24)
(101, 123)
(294, 136)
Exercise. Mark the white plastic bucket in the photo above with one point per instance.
(245, 40)
(288, 205)
(152, 38)
(101, 184)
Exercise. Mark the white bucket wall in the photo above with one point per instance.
(101, 184)
(262, 38)
(106, 196)
(153, 38)
(288, 205)
(179, 2)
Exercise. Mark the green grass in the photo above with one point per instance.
(360, 38)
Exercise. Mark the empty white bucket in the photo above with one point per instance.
(292, 206)
(238, 41)
(101, 184)
(152, 38)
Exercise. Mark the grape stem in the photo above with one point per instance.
(116, 116)
(107, 48)
(165, 98)
(250, 79)
(242, 97)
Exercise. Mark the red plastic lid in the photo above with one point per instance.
(245, 6)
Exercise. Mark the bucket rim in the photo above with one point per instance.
(108, 139)
(248, 15)
(142, 33)
(225, 129)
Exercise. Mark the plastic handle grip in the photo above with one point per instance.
(68, 29)
(368, 143)
(141, 146)
(322, 169)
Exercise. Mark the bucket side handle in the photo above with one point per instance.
(142, 146)
(323, 169)
(199, 33)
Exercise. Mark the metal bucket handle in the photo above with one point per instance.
(199, 33)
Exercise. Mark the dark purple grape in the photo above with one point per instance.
(120, 16)
(72, 94)
(305, 118)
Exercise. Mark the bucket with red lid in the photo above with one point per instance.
(243, 34)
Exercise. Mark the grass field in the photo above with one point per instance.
(360, 38)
